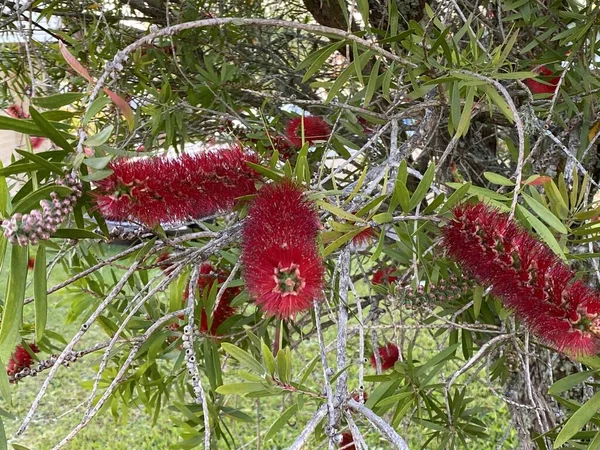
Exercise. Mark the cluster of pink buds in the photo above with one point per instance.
(444, 291)
(40, 224)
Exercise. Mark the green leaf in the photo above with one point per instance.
(465, 117)
(557, 203)
(58, 100)
(282, 368)
(240, 388)
(3, 441)
(372, 84)
(480, 192)
(318, 58)
(13, 307)
(5, 384)
(499, 101)
(477, 299)
(97, 163)
(543, 231)
(570, 381)
(271, 174)
(19, 125)
(456, 197)
(3, 247)
(32, 200)
(341, 80)
(97, 175)
(595, 444)
(423, 187)
(268, 358)
(544, 214)
(498, 179)
(40, 289)
(341, 241)
(338, 212)
(578, 420)
(245, 358)
(19, 447)
(43, 162)
(393, 399)
(95, 108)
(4, 197)
(401, 196)
(76, 233)
(99, 138)
(385, 217)
(437, 201)
(448, 353)
(281, 421)
(49, 131)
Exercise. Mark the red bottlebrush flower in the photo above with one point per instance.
(224, 310)
(31, 263)
(16, 112)
(366, 126)
(155, 190)
(530, 279)
(540, 88)
(384, 276)
(388, 354)
(315, 129)
(283, 270)
(347, 442)
(363, 237)
(37, 141)
(283, 146)
(21, 359)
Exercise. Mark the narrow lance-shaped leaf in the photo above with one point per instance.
(40, 289)
(578, 420)
(281, 421)
(13, 308)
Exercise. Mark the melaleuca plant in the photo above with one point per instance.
(246, 224)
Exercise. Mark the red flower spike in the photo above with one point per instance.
(30, 263)
(21, 359)
(37, 141)
(161, 190)
(363, 237)
(384, 276)
(530, 279)
(17, 112)
(315, 129)
(283, 270)
(540, 88)
(347, 442)
(388, 354)
(283, 146)
(224, 311)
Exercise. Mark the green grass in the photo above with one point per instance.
(62, 408)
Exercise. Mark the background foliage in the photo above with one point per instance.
(430, 104)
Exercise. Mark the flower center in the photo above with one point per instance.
(288, 280)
